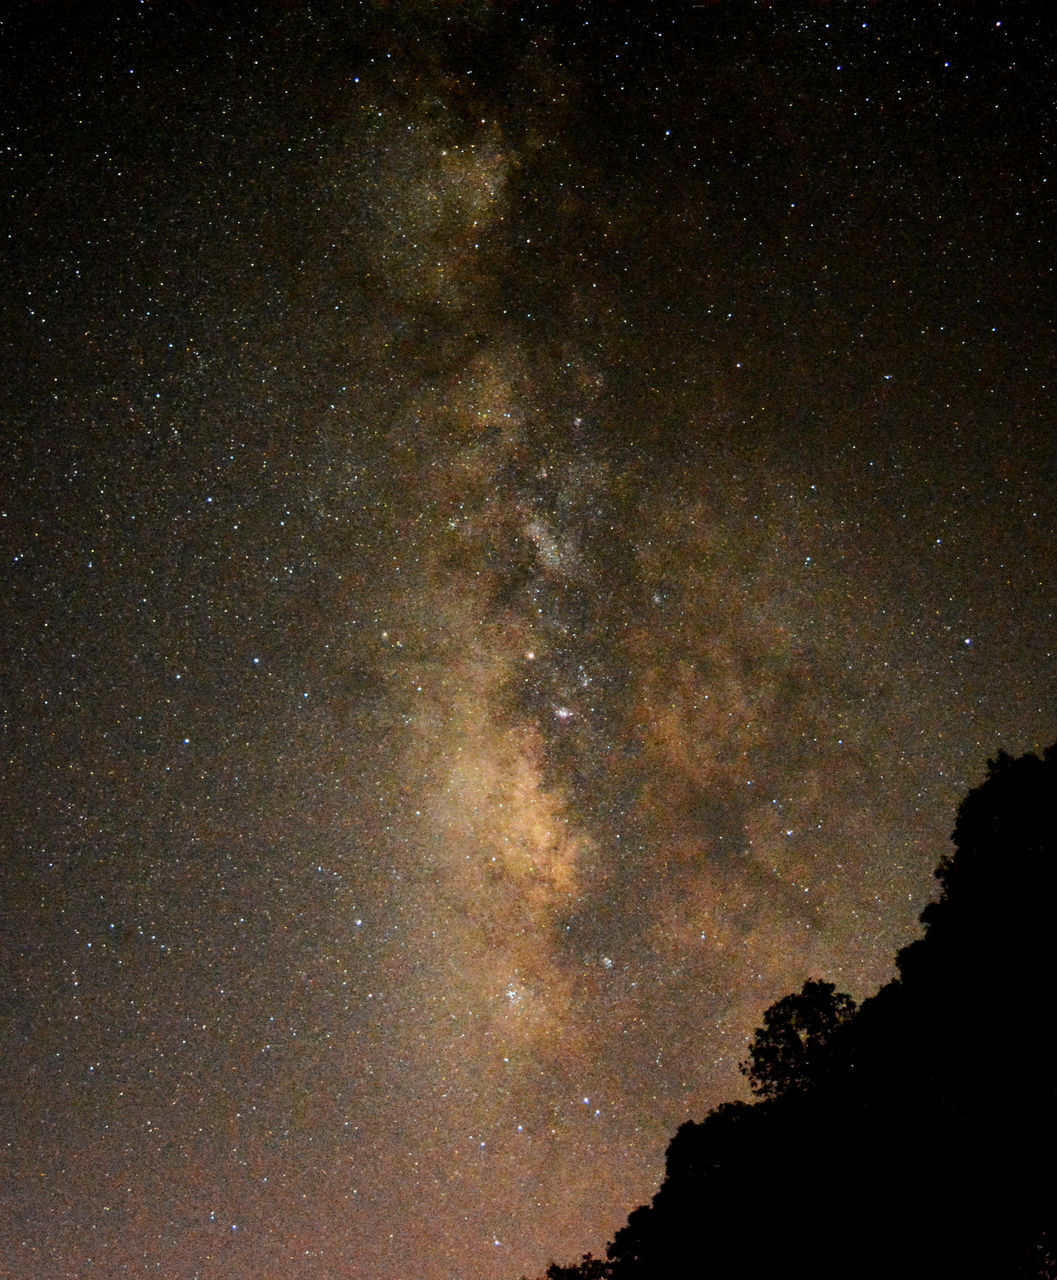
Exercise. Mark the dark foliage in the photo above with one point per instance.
(799, 1042)
(913, 1137)
(588, 1268)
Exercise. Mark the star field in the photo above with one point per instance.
(520, 523)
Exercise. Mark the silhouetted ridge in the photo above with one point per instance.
(912, 1137)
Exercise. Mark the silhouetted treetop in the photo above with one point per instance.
(588, 1268)
(1001, 880)
(1007, 824)
(793, 1050)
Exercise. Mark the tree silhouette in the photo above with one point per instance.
(794, 1048)
(912, 1137)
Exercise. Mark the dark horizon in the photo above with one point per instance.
(910, 1135)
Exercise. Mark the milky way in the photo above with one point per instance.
(522, 523)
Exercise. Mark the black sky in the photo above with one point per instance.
(520, 523)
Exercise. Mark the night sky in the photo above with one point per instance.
(520, 522)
